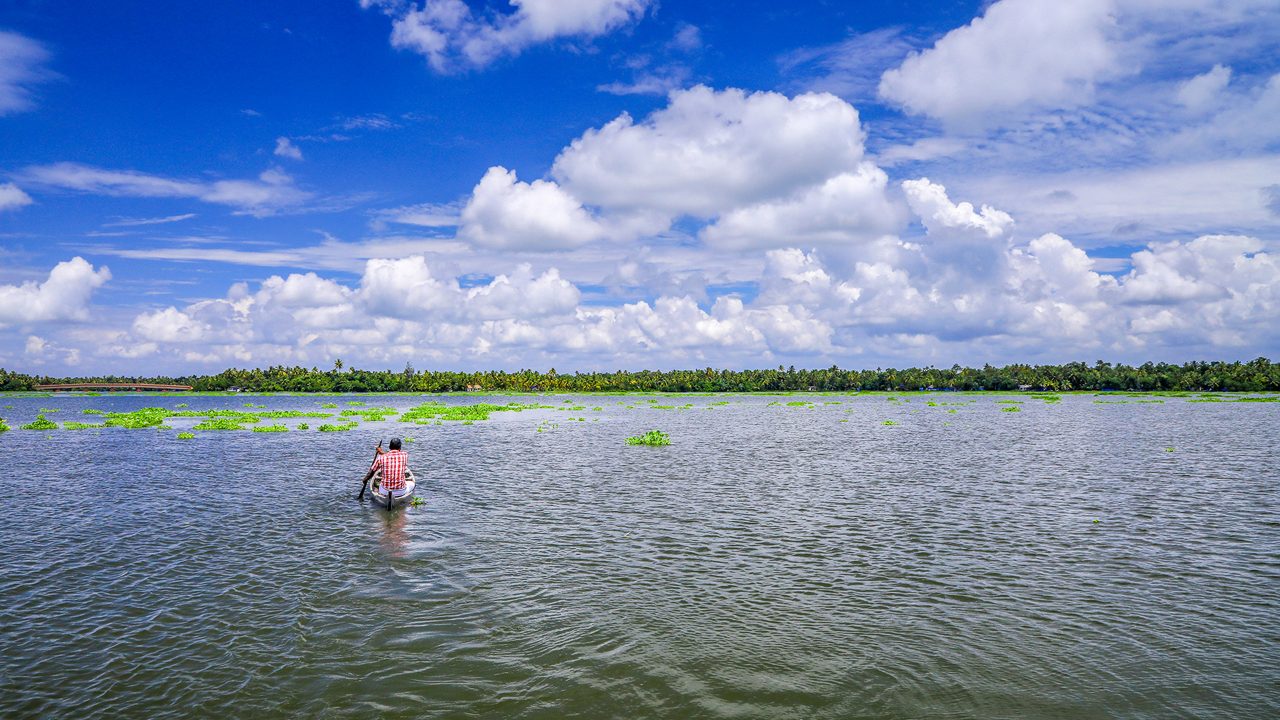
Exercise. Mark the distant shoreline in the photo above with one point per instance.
(1259, 375)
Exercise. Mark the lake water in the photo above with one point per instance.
(1081, 559)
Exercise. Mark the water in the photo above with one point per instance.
(773, 562)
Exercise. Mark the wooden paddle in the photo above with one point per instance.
(369, 474)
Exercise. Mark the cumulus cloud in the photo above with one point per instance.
(709, 151)
(452, 37)
(272, 191)
(1019, 54)
(22, 67)
(506, 213)
(844, 210)
(12, 197)
(64, 295)
(286, 149)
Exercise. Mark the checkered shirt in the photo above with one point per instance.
(392, 464)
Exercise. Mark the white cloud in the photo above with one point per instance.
(22, 66)
(12, 197)
(506, 213)
(1204, 91)
(1018, 54)
(709, 151)
(64, 295)
(169, 326)
(35, 345)
(929, 201)
(272, 191)
(285, 148)
(848, 208)
(451, 37)
(137, 222)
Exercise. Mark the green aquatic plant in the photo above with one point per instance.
(371, 414)
(303, 426)
(434, 412)
(48, 410)
(1013, 408)
(3, 426)
(1169, 449)
(890, 422)
(355, 403)
(181, 405)
(186, 436)
(337, 428)
(1268, 399)
(799, 403)
(329, 405)
(41, 423)
(219, 424)
(652, 438)
(73, 425)
(1008, 402)
(417, 502)
(662, 407)
(271, 429)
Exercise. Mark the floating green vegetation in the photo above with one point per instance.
(303, 426)
(249, 405)
(48, 410)
(799, 403)
(1008, 402)
(328, 405)
(435, 412)
(186, 436)
(337, 428)
(219, 424)
(953, 411)
(653, 438)
(417, 501)
(355, 403)
(596, 409)
(890, 422)
(1169, 449)
(719, 403)
(73, 425)
(844, 420)
(372, 414)
(662, 407)
(1012, 408)
(41, 423)
(1272, 398)
(270, 428)
(138, 419)
(3, 426)
(181, 405)
(91, 411)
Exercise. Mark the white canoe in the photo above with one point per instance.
(381, 498)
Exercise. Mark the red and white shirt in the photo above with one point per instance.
(392, 464)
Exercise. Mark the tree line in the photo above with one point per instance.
(1256, 375)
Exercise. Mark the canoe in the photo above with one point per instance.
(381, 499)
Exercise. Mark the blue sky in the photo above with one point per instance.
(626, 183)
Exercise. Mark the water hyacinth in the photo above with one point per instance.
(219, 424)
(186, 436)
(270, 429)
(653, 438)
(41, 423)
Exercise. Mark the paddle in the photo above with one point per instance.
(369, 474)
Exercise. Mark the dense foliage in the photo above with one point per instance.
(1257, 375)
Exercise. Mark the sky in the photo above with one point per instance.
(629, 184)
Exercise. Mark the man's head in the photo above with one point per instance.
(395, 443)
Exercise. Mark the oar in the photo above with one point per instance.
(365, 483)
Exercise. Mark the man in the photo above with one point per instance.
(392, 464)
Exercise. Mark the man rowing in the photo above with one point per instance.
(392, 463)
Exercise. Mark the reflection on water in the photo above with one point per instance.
(1065, 561)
